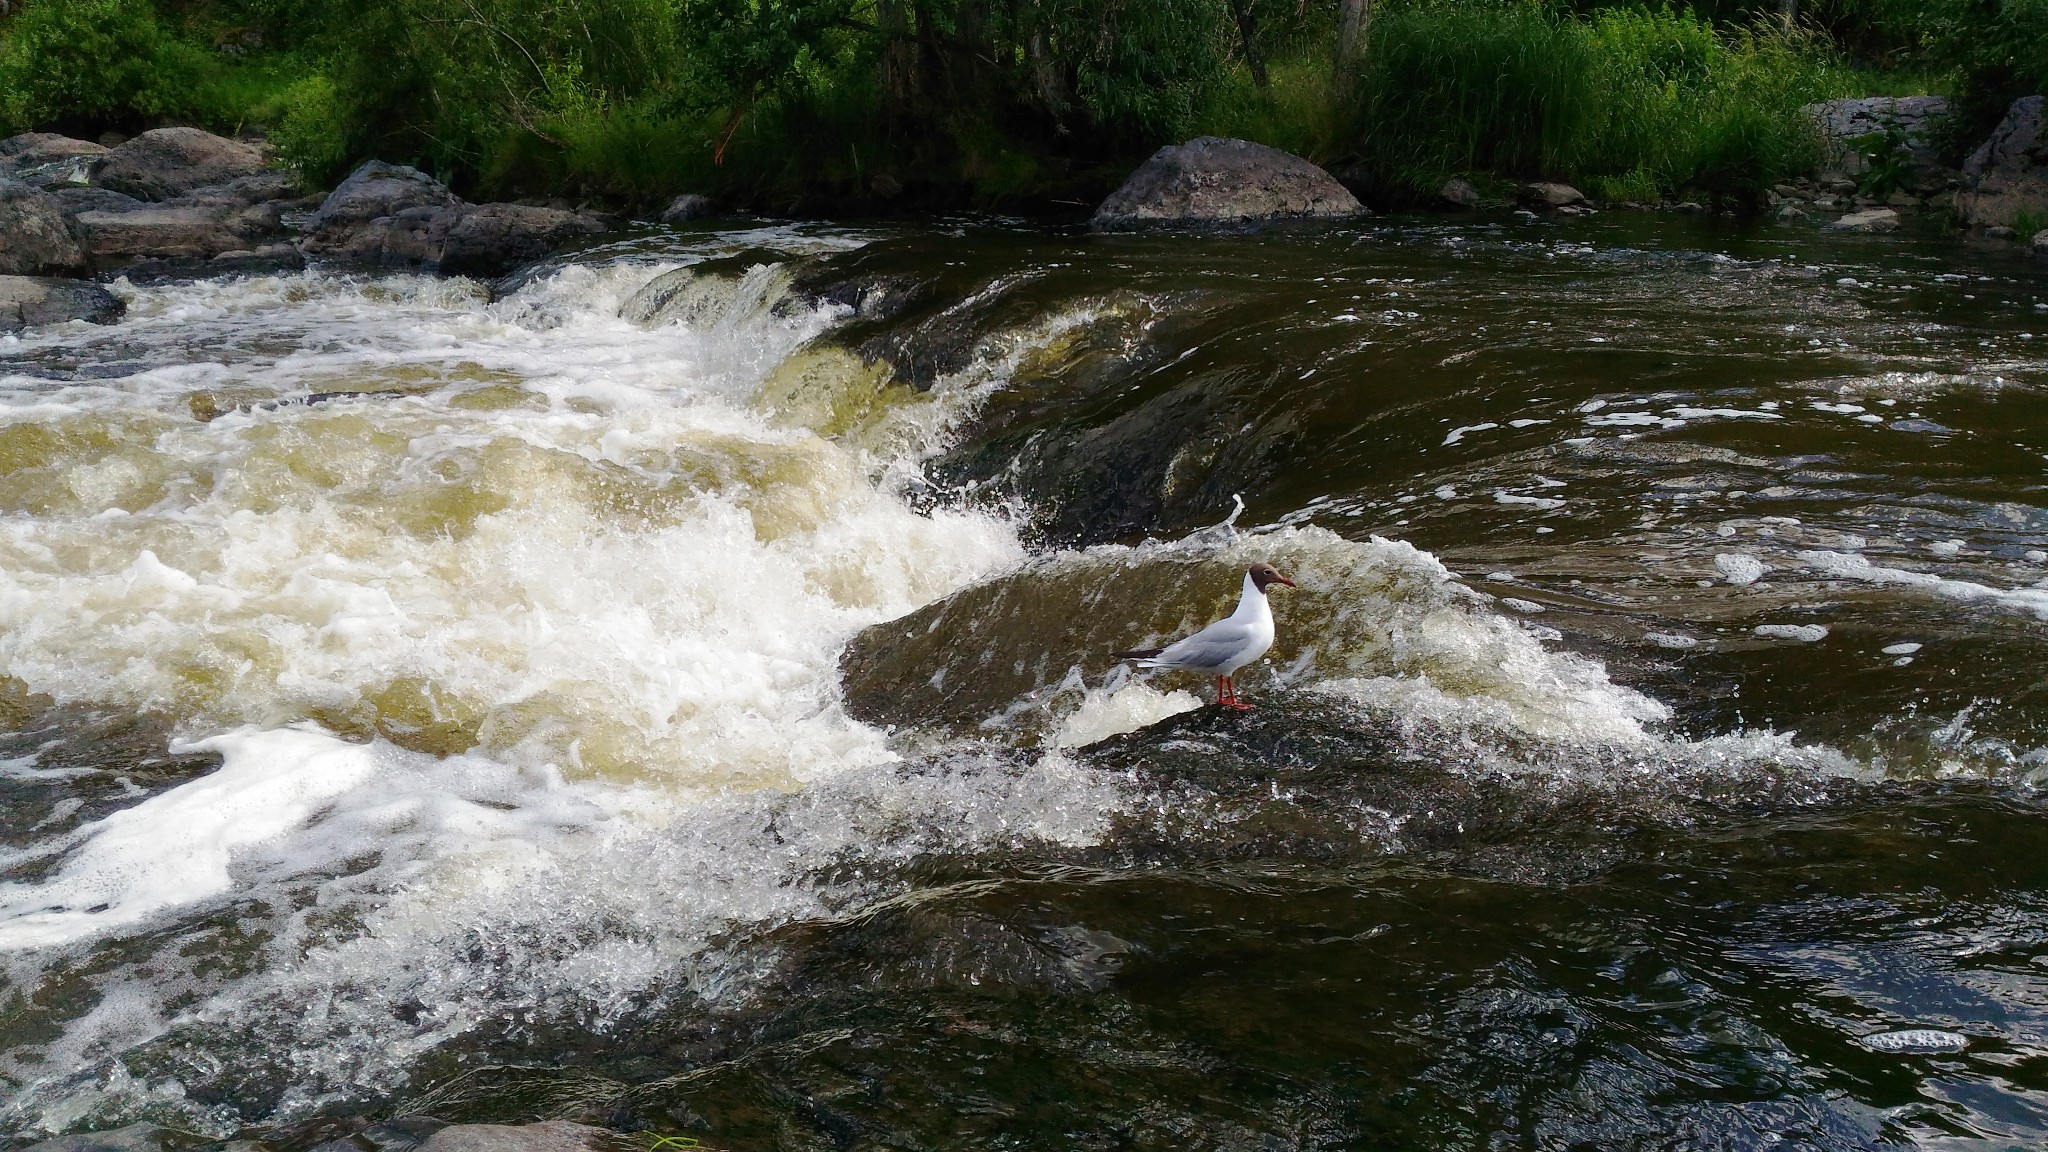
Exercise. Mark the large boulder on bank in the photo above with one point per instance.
(166, 163)
(31, 300)
(1546, 194)
(411, 239)
(48, 160)
(1843, 123)
(374, 191)
(34, 238)
(2007, 175)
(1211, 182)
(493, 239)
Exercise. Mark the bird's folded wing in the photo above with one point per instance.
(1212, 647)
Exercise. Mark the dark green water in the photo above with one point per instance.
(716, 734)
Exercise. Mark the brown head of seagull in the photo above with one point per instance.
(1229, 644)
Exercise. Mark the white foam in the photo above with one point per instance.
(1850, 566)
(1800, 633)
(1740, 568)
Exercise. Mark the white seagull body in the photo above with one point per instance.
(1229, 644)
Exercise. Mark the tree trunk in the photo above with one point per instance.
(1248, 31)
(1351, 26)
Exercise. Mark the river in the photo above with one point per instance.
(673, 691)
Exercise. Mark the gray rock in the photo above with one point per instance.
(1869, 220)
(1551, 195)
(412, 238)
(492, 239)
(260, 188)
(374, 191)
(33, 235)
(1789, 211)
(1523, 216)
(1843, 121)
(547, 1136)
(1460, 193)
(113, 238)
(266, 260)
(688, 206)
(2007, 175)
(2039, 243)
(133, 1138)
(76, 200)
(1689, 208)
(48, 160)
(169, 162)
(1999, 232)
(1211, 182)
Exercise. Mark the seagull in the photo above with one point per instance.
(1227, 645)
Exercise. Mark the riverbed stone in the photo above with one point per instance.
(546, 1136)
(77, 200)
(688, 206)
(1551, 195)
(412, 238)
(112, 238)
(2007, 176)
(1212, 182)
(374, 191)
(133, 1138)
(1869, 220)
(492, 239)
(34, 237)
(2039, 244)
(165, 163)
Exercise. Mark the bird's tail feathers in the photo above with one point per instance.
(1138, 654)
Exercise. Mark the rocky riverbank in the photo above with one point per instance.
(331, 1134)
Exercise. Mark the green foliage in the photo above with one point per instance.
(1996, 51)
(1632, 98)
(80, 61)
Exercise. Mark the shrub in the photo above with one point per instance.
(80, 62)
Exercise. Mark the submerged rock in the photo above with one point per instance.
(374, 191)
(1869, 220)
(133, 1138)
(2007, 176)
(546, 1136)
(166, 163)
(34, 238)
(1212, 182)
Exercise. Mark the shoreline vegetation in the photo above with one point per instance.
(822, 107)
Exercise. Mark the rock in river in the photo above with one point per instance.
(31, 300)
(113, 238)
(374, 191)
(688, 206)
(48, 160)
(546, 1136)
(1547, 195)
(33, 235)
(2007, 176)
(492, 239)
(1211, 182)
(169, 162)
(1869, 220)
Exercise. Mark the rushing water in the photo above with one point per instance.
(675, 693)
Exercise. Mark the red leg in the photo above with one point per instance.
(1232, 702)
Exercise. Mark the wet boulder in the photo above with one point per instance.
(1869, 220)
(1211, 182)
(492, 239)
(372, 192)
(546, 1136)
(1849, 126)
(27, 301)
(114, 238)
(166, 163)
(34, 237)
(2040, 243)
(77, 200)
(48, 160)
(2007, 176)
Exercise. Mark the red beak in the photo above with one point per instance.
(1279, 579)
